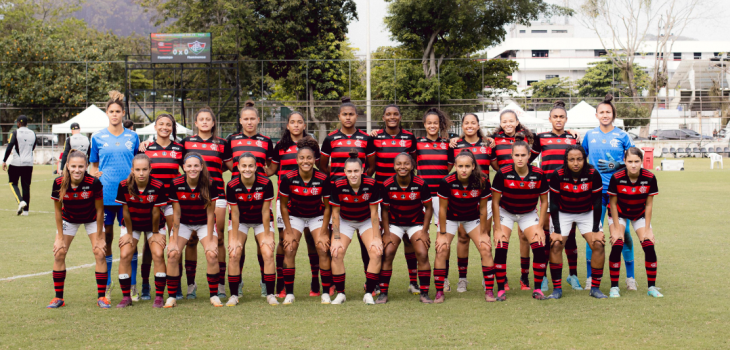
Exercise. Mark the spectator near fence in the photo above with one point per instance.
(21, 145)
(75, 141)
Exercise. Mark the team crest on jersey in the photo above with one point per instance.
(356, 199)
(392, 142)
(248, 142)
(584, 187)
(163, 154)
(531, 185)
(402, 143)
(443, 145)
(365, 196)
(474, 193)
(314, 191)
(614, 143)
(205, 146)
(474, 150)
(85, 195)
(522, 184)
(213, 147)
(257, 195)
(412, 196)
(258, 143)
(357, 143)
(129, 145)
(305, 191)
(403, 196)
(173, 154)
(642, 189)
(349, 142)
(633, 189)
(150, 198)
(483, 150)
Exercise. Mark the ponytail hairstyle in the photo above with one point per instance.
(346, 103)
(413, 162)
(444, 121)
(528, 136)
(353, 157)
(248, 106)
(586, 167)
(635, 151)
(393, 105)
(286, 140)
(66, 179)
(204, 180)
(559, 104)
(608, 100)
(479, 129)
(477, 179)
(132, 188)
(215, 123)
(115, 97)
(309, 143)
(520, 142)
(174, 123)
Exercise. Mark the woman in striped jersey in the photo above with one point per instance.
(284, 160)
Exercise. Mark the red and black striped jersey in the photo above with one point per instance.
(305, 198)
(286, 157)
(193, 211)
(463, 201)
(503, 148)
(79, 204)
(432, 161)
(387, 147)
(552, 147)
(519, 194)
(337, 147)
(483, 153)
(575, 195)
(632, 195)
(259, 145)
(250, 201)
(165, 161)
(405, 205)
(355, 206)
(215, 152)
(141, 205)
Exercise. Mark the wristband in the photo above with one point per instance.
(443, 233)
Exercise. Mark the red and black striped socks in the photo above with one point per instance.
(101, 278)
(279, 273)
(339, 281)
(500, 264)
(412, 264)
(438, 279)
(173, 284)
(556, 272)
(233, 283)
(190, 268)
(270, 281)
(650, 262)
(59, 279)
(463, 265)
(371, 281)
(160, 281)
(326, 280)
(289, 279)
(488, 274)
(222, 275)
(596, 276)
(212, 284)
(314, 266)
(424, 280)
(614, 262)
(524, 268)
(539, 263)
(125, 283)
(385, 280)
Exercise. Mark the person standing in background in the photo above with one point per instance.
(22, 144)
(75, 141)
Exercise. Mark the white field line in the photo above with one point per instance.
(50, 272)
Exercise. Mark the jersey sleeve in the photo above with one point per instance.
(612, 186)
(269, 191)
(544, 187)
(284, 186)
(172, 194)
(227, 152)
(161, 198)
(537, 145)
(94, 150)
(275, 155)
(327, 146)
(425, 193)
(370, 148)
(444, 190)
(554, 182)
(55, 189)
(412, 150)
(597, 182)
(121, 199)
(270, 151)
(385, 195)
(215, 192)
(486, 193)
(375, 195)
(586, 142)
(231, 195)
(450, 155)
(334, 195)
(627, 141)
(98, 189)
(498, 182)
(135, 148)
(12, 143)
(653, 187)
(326, 187)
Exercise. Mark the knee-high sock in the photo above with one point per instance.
(261, 266)
(109, 259)
(524, 267)
(314, 266)
(556, 272)
(289, 279)
(212, 284)
(589, 252)
(438, 279)
(134, 269)
(339, 281)
(571, 253)
(614, 262)
(233, 283)
(628, 253)
(125, 283)
(222, 276)
(488, 274)
(596, 276)
(424, 280)
(500, 263)
(371, 281)
(269, 280)
(59, 279)
(145, 269)
(650, 262)
(173, 284)
(101, 277)
(463, 265)
(191, 268)
(385, 280)
(160, 281)
(279, 272)
(326, 280)
(539, 263)
(412, 264)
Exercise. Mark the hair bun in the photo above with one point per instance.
(353, 153)
(345, 99)
(519, 136)
(559, 104)
(249, 103)
(608, 99)
(116, 95)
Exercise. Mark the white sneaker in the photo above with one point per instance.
(134, 294)
(216, 301)
(271, 299)
(461, 286)
(232, 300)
(340, 299)
(171, 302)
(192, 288)
(484, 285)
(589, 283)
(326, 298)
(25, 213)
(289, 299)
(368, 299)
(447, 285)
(631, 283)
(109, 288)
(614, 292)
(21, 206)
(414, 290)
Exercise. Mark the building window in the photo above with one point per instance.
(530, 82)
(560, 31)
(716, 54)
(698, 55)
(599, 53)
(677, 56)
(522, 31)
(539, 31)
(550, 76)
(540, 53)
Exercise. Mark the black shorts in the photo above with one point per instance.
(24, 173)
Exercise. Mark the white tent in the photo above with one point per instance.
(535, 124)
(583, 116)
(150, 130)
(90, 120)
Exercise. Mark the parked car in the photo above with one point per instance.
(677, 134)
(635, 137)
(46, 139)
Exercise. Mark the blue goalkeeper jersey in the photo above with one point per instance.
(600, 145)
(114, 155)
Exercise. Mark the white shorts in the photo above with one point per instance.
(524, 221)
(137, 234)
(584, 222)
(636, 224)
(348, 227)
(167, 210)
(435, 202)
(221, 203)
(401, 230)
(70, 229)
(186, 231)
(300, 224)
(243, 228)
(452, 227)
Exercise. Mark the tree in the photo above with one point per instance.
(441, 29)
(552, 88)
(604, 77)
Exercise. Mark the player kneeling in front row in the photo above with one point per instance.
(405, 196)
(632, 192)
(250, 194)
(304, 195)
(575, 198)
(464, 198)
(140, 195)
(78, 201)
(354, 200)
(193, 199)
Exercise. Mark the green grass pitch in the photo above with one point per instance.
(690, 220)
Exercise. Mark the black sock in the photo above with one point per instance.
(614, 262)
(289, 279)
(650, 262)
(500, 263)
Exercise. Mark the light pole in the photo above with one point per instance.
(367, 68)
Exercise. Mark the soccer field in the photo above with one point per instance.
(692, 248)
